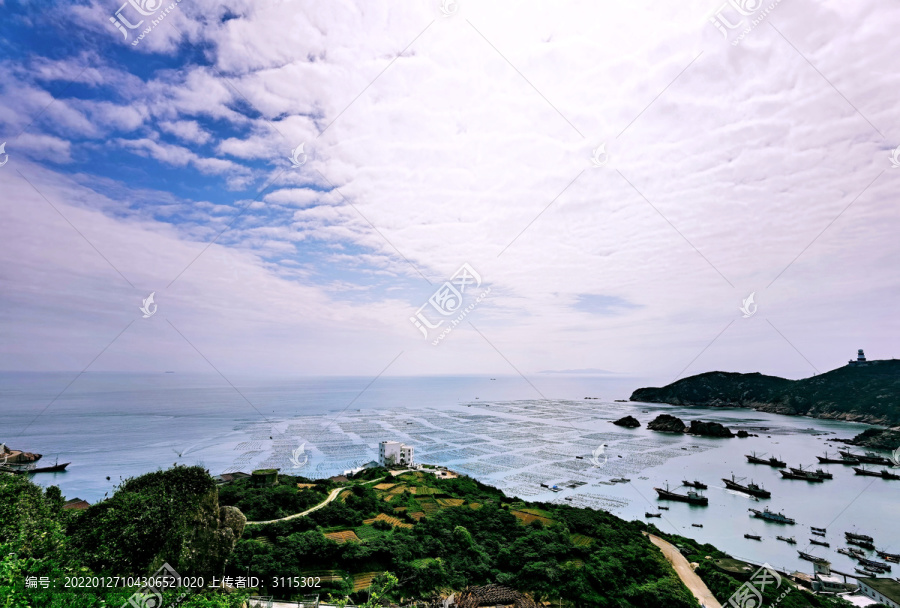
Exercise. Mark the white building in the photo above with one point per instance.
(826, 582)
(883, 590)
(395, 453)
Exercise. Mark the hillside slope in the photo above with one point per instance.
(869, 393)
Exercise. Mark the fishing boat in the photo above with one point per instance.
(873, 570)
(817, 531)
(56, 468)
(861, 543)
(752, 536)
(826, 459)
(692, 497)
(884, 473)
(811, 558)
(854, 536)
(663, 508)
(818, 472)
(846, 552)
(771, 461)
(788, 539)
(778, 518)
(891, 557)
(695, 484)
(821, 543)
(804, 475)
(868, 457)
(861, 571)
(751, 488)
(873, 563)
(648, 514)
(697, 525)
(856, 552)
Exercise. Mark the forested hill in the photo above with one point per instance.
(868, 393)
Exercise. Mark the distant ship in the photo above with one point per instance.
(884, 473)
(778, 518)
(753, 536)
(695, 484)
(811, 558)
(868, 457)
(648, 514)
(772, 462)
(751, 488)
(692, 497)
(826, 459)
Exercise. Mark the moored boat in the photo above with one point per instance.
(692, 497)
(868, 457)
(874, 564)
(826, 459)
(803, 475)
(648, 514)
(751, 488)
(884, 473)
(817, 531)
(788, 539)
(811, 558)
(695, 484)
(820, 473)
(778, 518)
(861, 543)
(891, 557)
(771, 461)
(856, 536)
(821, 543)
(753, 536)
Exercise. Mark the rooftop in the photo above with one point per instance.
(887, 587)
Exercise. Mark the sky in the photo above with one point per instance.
(636, 189)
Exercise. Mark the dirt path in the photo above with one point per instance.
(334, 494)
(684, 572)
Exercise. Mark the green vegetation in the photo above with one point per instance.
(869, 393)
(584, 557)
(272, 502)
(162, 516)
(384, 538)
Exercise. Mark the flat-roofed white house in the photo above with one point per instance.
(883, 590)
(395, 453)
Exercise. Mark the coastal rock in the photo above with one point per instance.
(709, 429)
(742, 433)
(667, 423)
(628, 421)
(880, 439)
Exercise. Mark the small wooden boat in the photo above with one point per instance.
(817, 531)
(652, 514)
(753, 536)
(697, 525)
(821, 543)
(788, 539)
(889, 557)
(56, 468)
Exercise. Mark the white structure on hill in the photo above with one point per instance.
(395, 453)
(860, 359)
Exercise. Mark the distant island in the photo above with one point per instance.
(861, 391)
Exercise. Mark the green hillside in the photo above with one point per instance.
(869, 393)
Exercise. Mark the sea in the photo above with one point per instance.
(547, 438)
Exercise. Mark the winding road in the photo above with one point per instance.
(683, 569)
(332, 496)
